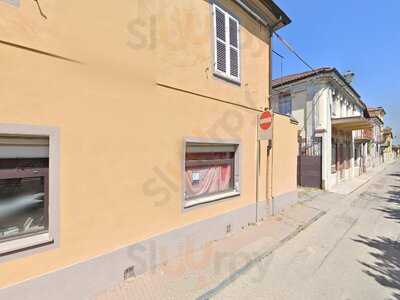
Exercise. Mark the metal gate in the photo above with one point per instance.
(309, 164)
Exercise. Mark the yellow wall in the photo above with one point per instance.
(188, 55)
(388, 151)
(285, 150)
(122, 121)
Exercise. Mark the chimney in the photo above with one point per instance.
(348, 76)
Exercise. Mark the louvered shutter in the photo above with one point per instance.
(220, 40)
(234, 62)
(227, 44)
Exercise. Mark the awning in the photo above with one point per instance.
(351, 123)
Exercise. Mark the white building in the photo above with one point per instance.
(333, 117)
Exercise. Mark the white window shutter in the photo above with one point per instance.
(227, 44)
(234, 54)
(220, 40)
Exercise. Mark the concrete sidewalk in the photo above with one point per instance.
(349, 186)
(189, 276)
(202, 274)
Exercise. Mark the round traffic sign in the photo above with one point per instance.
(266, 120)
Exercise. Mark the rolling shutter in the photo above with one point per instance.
(209, 148)
(24, 147)
(12, 2)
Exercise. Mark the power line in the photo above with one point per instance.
(276, 53)
(291, 49)
(282, 59)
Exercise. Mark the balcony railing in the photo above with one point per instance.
(364, 134)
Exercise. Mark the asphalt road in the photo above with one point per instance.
(353, 252)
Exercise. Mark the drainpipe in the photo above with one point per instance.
(258, 153)
(270, 157)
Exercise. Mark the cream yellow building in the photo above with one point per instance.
(387, 146)
(129, 129)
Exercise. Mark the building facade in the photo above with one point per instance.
(330, 112)
(126, 134)
(388, 152)
(375, 150)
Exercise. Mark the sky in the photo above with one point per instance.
(358, 35)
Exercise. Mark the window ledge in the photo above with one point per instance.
(24, 243)
(212, 198)
(227, 78)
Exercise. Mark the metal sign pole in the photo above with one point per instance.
(257, 169)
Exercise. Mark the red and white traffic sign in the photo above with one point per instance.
(265, 126)
(265, 120)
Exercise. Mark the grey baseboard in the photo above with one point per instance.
(85, 279)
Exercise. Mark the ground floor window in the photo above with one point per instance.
(357, 155)
(29, 159)
(24, 186)
(211, 172)
(348, 155)
(334, 158)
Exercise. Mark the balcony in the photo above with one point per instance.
(364, 135)
(351, 123)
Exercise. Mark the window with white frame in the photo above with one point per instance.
(211, 172)
(226, 44)
(342, 109)
(333, 107)
(285, 105)
(338, 107)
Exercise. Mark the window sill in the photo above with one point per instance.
(212, 198)
(24, 243)
(227, 78)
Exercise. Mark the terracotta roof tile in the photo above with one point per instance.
(299, 76)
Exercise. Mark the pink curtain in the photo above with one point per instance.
(207, 180)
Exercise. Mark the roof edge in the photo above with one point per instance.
(277, 12)
(325, 70)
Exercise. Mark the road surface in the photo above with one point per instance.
(353, 252)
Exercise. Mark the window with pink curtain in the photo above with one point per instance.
(209, 170)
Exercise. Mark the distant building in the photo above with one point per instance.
(387, 144)
(375, 149)
(333, 124)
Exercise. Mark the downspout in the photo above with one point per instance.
(270, 155)
(258, 159)
(258, 142)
